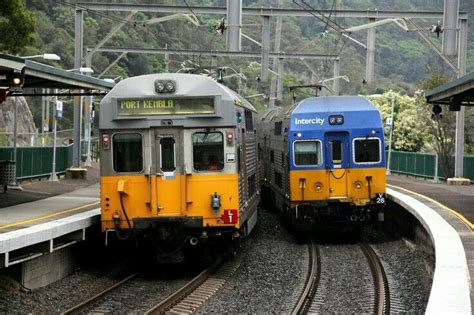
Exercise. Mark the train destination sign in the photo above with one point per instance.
(165, 106)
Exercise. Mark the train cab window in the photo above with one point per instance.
(127, 152)
(367, 150)
(208, 151)
(336, 147)
(168, 154)
(307, 153)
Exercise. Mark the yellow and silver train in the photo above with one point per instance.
(323, 162)
(178, 163)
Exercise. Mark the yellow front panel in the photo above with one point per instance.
(199, 191)
(135, 197)
(169, 196)
(351, 176)
(303, 185)
(337, 179)
(184, 195)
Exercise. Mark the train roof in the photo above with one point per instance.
(340, 104)
(187, 85)
(319, 113)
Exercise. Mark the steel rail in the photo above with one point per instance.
(83, 305)
(312, 281)
(184, 291)
(382, 297)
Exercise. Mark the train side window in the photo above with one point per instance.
(367, 150)
(277, 130)
(127, 152)
(307, 153)
(208, 151)
(168, 154)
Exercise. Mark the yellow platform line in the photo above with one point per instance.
(453, 212)
(48, 216)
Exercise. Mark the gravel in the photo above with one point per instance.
(272, 271)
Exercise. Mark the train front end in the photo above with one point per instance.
(336, 163)
(170, 179)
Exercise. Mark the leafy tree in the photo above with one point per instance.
(406, 136)
(16, 26)
(441, 130)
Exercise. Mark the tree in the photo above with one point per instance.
(440, 129)
(17, 26)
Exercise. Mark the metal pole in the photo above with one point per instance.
(87, 120)
(265, 48)
(436, 179)
(274, 86)
(234, 21)
(369, 70)
(43, 101)
(77, 100)
(390, 139)
(337, 70)
(15, 124)
(54, 177)
(460, 115)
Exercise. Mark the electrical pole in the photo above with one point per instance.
(275, 83)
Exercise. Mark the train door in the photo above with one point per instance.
(169, 172)
(337, 161)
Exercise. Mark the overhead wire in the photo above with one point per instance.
(126, 22)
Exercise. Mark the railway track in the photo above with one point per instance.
(94, 299)
(333, 286)
(192, 295)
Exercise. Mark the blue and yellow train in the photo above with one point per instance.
(322, 161)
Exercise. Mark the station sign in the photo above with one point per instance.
(59, 110)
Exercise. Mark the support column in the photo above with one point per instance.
(76, 156)
(265, 47)
(459, 146)
(234, 21)
(275, 82)
(370, 57)
(87, 118)
(281, 71)
(337, 70)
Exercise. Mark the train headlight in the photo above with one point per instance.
(318, 186)
(358, 185)
(169, 86)
(160, 87)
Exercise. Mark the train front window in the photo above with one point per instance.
(307, 153)
(127, 152)
(168, 154)
(208, 151)
(336, 147)
(367, 150)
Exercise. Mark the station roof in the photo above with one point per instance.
(38, 75)
(462, 89)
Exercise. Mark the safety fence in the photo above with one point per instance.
(426, 165)
(35, 162)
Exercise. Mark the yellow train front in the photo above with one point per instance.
(178, 163)
(323, 162)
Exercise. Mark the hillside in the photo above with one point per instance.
(402, 58)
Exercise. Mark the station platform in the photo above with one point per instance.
(454, 204)
(42, 219)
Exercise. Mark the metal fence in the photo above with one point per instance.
(423, 165)
(35, 162)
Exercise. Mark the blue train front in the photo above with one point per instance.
(324, 161)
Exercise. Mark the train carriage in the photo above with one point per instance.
(323, 161)
(178, 162)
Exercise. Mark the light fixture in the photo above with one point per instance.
(44, 56)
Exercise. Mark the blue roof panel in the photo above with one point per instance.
(313, 113)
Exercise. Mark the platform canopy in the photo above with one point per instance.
(459, 92)
(37, 75)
